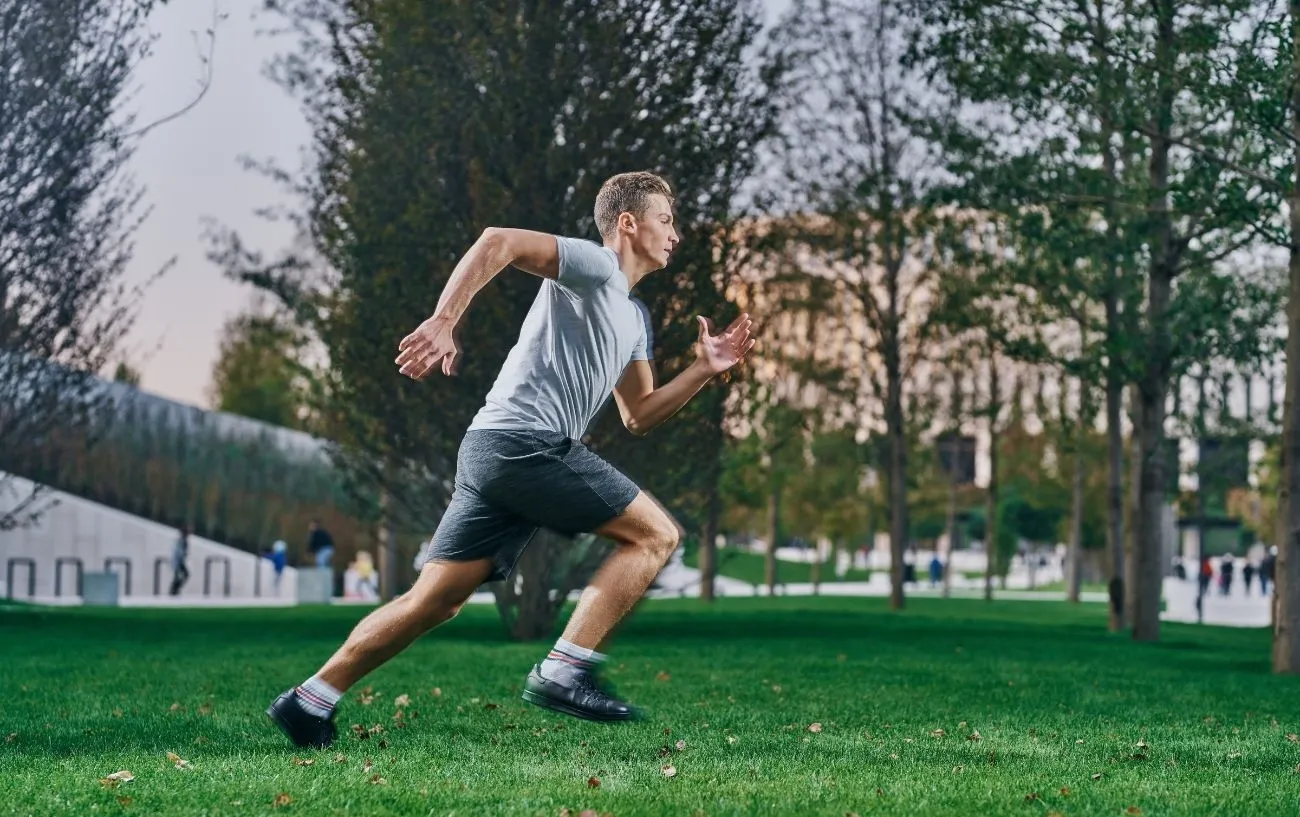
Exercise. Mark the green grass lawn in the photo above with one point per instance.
(735, 563)
(800, 706)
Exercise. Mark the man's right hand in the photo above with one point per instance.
(431, 345)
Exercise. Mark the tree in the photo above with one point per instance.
(68, 210)
(1123, 88)
(257, 373)
(859, 167)
(433, 121)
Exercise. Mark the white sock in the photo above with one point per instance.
(566, 658)
(318, 697)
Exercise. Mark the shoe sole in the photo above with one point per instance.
(288, 733)
(559, 706)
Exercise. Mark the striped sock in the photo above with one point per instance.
(318, 697)
(567, 658)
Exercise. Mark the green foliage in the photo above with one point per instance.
(257, 373)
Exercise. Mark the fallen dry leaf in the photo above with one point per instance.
(366, 767)
(281, 799)
(437, 692)
(181, 763)
(13, 736)
(124, 801)
(732, 739)
(206, 709)
(669, 771)
(402, 700)
(1142, 744)
(961, 725)
(1031, 797)
(340, 758)
(117, 712)
(123, 776)
(958, 769)
(938, 733)
(814, 727)
(1294, 738)
(303, 761)
(566, 812)
(588, 812)
(1079, 742)
(1065, 791)
(893, 757)
(681, 745)
(376, 729)
(663, 676)
(593, 782)
(974, 735)
(1055, 814)
(1097, 776)
(175, 707)
(377, 780)
(1234, 755)
(360, 731)
(776, 688)
(1133, 810)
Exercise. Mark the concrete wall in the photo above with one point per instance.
(74, 527)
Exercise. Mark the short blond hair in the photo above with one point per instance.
(627, 193)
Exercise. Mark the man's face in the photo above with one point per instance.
(656, 236)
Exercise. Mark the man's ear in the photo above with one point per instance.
(627, 221)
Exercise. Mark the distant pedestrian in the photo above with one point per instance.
(320, 544)
(279, 556)
(180, 560)
(1226, 567)
(1267, 568)
(1248, 573)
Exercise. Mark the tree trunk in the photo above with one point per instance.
(1072, 562)
(549, 569)
(952, 525)
(1154, 383)
(991, 505)
(708, 549)
(1286, 578)
(897, 495)
(1133, 501)
(773, 528)
(387, 552)
(815, 569)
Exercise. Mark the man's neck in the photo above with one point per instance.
(628, 264)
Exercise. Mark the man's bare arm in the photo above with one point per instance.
(496, 249)
(433, 343)
(643, 407)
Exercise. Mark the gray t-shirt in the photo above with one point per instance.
(580, 334)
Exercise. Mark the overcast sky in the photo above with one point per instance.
(191, 170)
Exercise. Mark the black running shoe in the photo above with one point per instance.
(307, 731)
(579, 695)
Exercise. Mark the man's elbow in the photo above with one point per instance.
(496, 242)
(637, 426)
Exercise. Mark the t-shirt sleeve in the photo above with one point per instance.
(644, 349)
(584, 266)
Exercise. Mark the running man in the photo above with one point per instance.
(521, 465)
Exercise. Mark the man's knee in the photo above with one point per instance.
(663, 538)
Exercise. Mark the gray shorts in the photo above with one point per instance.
(510, 483)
